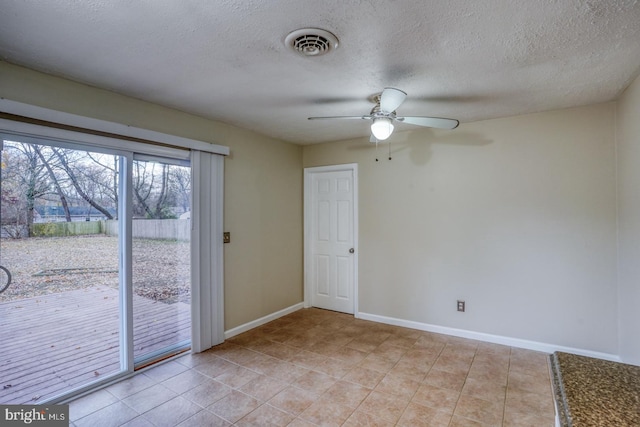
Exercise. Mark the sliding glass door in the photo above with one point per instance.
(97, 242)
(161, 257)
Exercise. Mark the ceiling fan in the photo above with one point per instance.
(384, 114)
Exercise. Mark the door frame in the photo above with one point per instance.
(308, 172)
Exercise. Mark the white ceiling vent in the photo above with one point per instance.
(311, 41)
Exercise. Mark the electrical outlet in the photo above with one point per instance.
(460, 305)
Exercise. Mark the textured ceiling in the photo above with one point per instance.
(226, 59)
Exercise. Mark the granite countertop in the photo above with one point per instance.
(594, 392)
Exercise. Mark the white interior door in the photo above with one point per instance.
(331, 226)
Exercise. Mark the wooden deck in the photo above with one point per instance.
(51, 344)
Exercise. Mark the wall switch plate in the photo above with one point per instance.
(461, 305)
(226, 237)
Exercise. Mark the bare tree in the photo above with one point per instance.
(29, 180)
(151, 189)
(55, 182)
(62, 154)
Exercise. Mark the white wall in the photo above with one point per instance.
(628, 146)
(515, 216)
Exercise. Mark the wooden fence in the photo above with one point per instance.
(159, 229)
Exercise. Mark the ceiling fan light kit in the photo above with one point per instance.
(381, 128)
(384, 114)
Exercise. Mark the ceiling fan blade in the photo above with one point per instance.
(432, 122)
(367, 117)
(391, 98)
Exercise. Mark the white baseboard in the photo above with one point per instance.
(261, 321)
(496, 339)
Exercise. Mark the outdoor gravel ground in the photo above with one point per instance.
(44, 265)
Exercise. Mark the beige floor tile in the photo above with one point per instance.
(458, 421)
(443, 379)
(263, 387)
(293, 400)
(348, 355)
(437, 398)
(524, 402)
(398, 386)
(315, 367)
(149, 398)
(281, 335)
(314, 381)
(413, 371)
(384, 406)
(452, 364)
(346, 393)
(418, 415)
(234, 406)
(165, 371)
(280, 351)
(390, 351)
(363, 419)
(489, 372)
(285, 371)
(266, 415)
(185, 381)
(207, 393)
(363, 345)
(237, 376)
(172, 412)
(241, 356)
(333, 367)
(482, 389)
(325, 413)
(461, 352)
(307, 359)
(402, 341)
(90, 403)
(214, 367)
(365, 377)
(483, 411)
(421, 356)
(139, 421)
(527, 419)
(130, 386)
(299, 422)
(113, 415)
(529, 362)
(377, 363)
(204, 418)
(324, 347)
(493, 349)
(301, 341)
(519, 381)
(431, 341)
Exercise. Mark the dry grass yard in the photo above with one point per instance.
(45, 265)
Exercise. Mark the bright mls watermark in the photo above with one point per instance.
(34, 415)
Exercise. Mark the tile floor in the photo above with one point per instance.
(321, 368)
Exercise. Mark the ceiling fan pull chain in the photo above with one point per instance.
(389, 150)
(376, 150)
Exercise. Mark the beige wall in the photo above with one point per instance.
(516, 216)
(263, 187)
(628, 145)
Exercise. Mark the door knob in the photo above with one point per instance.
(351, 250)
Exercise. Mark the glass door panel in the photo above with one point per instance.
(60, 314)
(161, 258)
